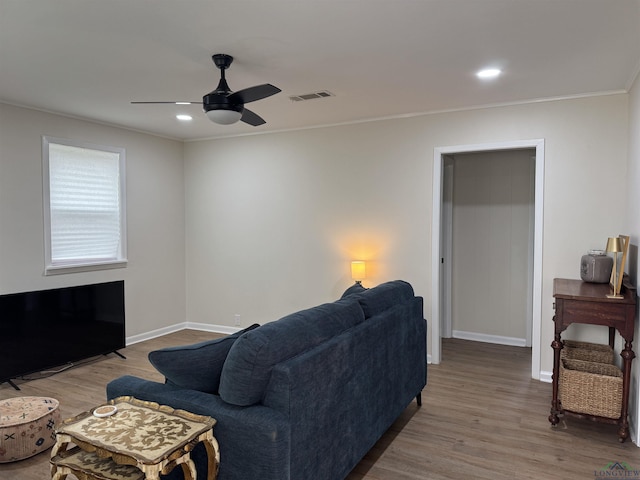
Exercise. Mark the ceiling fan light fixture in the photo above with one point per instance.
(224, 117)
(225, 107)
(489, 73)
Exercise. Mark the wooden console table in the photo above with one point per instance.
(587, 303)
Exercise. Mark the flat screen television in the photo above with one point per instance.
(46, 329)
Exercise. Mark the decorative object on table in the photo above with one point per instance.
(105, 411)
(617, 245)
(27, 426)
(625, 250)
(358, 271)
(596, 266)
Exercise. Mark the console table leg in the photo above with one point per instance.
(627, 356)
(623, 432)
(555, 404)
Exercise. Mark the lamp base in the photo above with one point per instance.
(615, 296)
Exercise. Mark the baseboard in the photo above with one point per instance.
(633, 430)
(207, 327)
(155, 333)
(546, 376)
(204, 327)
(482, 337)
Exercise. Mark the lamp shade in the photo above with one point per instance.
(224, 117)
(614, 245)
(358, 270)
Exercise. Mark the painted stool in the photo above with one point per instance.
(27, 426)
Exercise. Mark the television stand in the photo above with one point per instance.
(119, 354)
(16, 387)
(10, 382)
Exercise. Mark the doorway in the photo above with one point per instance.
(444, 157)
(487, 244)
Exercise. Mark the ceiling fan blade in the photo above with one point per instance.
(174, 103)
(251, 118)
(252, 94)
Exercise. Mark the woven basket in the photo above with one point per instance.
(591, 388)
(589, 352)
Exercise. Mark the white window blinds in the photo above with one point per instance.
(85, 205)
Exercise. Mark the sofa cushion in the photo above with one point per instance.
(197, 366)
(378, 299)
(247, 371)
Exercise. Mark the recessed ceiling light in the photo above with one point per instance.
(183, 103)
(184, 118)
(489, 73)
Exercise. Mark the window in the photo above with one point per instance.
(84, 206)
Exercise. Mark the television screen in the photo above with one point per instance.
(46, 329)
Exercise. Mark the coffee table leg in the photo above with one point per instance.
(60, 445)
(59, 476)
(189, 469)
(213, 456)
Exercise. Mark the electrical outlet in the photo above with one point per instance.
(236, 319)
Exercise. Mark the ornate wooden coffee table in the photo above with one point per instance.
(141, 440)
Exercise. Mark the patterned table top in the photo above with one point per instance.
(142, 430)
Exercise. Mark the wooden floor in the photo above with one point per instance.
(482, 417)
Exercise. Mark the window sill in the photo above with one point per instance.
(83, 267)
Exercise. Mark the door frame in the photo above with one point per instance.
(436, 235)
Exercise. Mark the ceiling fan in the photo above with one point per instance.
(224, 107)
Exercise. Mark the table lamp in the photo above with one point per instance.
(358, 271)
(615, 246)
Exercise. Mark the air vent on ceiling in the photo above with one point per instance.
(310, 96)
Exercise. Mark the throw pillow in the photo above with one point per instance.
(386, 295)
(197, 366)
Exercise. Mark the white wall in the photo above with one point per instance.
(154, 277)
(632, 226)
(492, 244)
(273, 220)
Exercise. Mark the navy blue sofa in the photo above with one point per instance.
(304, 397)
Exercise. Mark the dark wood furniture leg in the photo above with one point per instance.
(555, 403)
(627, 356)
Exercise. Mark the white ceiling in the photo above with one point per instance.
(380, 58)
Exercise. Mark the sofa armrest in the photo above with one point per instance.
(255, 432)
